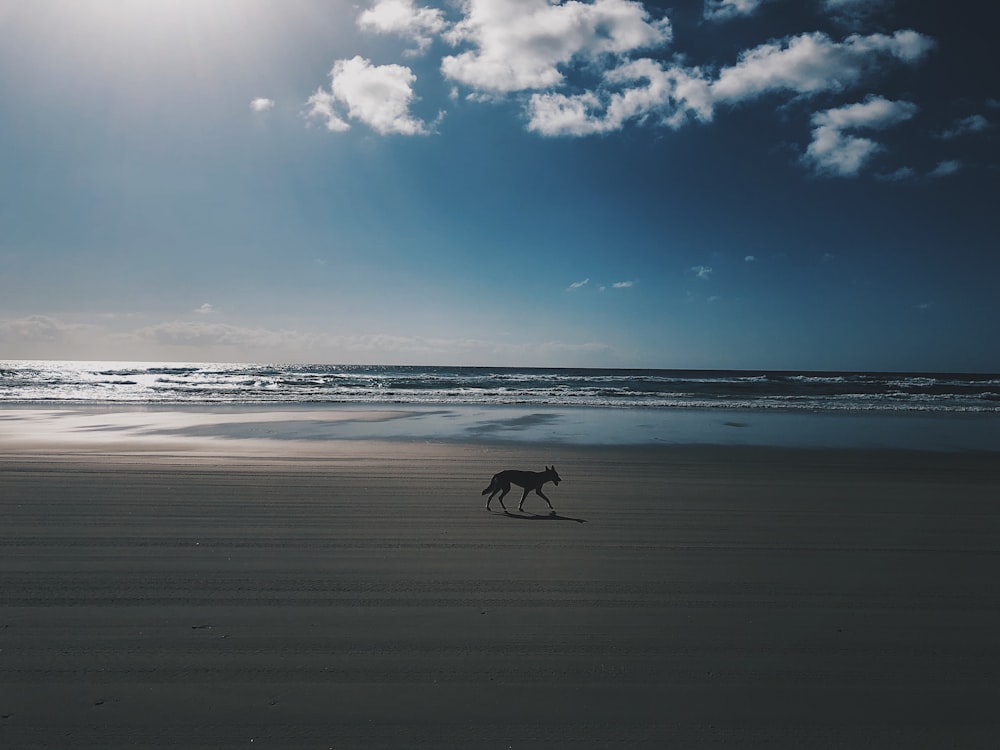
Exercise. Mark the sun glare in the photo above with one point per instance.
(118, 35)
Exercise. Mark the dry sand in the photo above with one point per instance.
(362, 597)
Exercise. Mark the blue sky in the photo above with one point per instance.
(800, 184)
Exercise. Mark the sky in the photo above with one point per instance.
(737, 184)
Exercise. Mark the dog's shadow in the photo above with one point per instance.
(552, 516)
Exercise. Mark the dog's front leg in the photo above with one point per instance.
(520, 505)
(542, 495)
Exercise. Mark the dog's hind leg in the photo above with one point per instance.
(506, 489)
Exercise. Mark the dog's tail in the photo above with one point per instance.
(493, 483)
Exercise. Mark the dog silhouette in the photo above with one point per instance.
(529, 480)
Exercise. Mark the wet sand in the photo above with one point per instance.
(357, 594)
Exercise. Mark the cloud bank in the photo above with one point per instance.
(588, 68)
(42, 337)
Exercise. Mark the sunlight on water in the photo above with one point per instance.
(228, 383)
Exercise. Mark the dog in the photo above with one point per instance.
(530, 480)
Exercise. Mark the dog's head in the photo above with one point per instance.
(550, 472)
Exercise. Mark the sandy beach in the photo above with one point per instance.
(356, 593)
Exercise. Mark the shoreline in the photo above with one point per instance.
(239, 429)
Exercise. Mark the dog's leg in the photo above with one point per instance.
(542, 495)
(506, 489)
(520, 505)
(493, 489)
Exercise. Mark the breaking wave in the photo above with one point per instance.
(214, 383)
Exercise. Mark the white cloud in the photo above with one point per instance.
(39, 329)
(322, 106)
(558, 114)
(182, 333)
(186, 337)
(967, 126)
(724, 10)
(750, 258)
(898, 175)
(838, 6)
(206, 309)
(835, 152)
(519, 45)
(260, 104)
(813, 63)
(585, 282)
(403, 18)
(377, 95)
(578, 67)
(667, 96)
(853, 12)
(702, 272)
(945, 168)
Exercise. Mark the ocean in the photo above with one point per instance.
(917, 411)
(52, 382)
